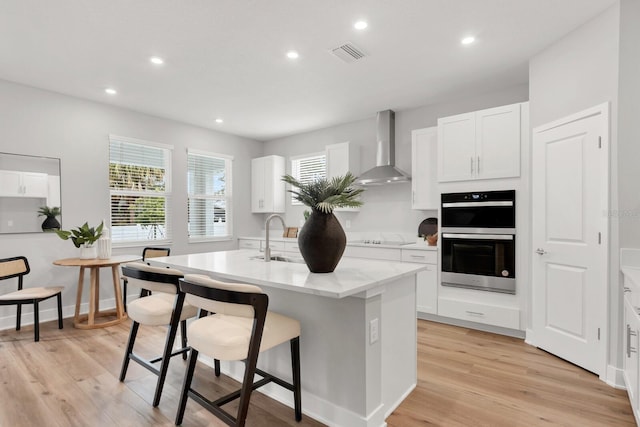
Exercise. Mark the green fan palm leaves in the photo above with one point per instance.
(325, 194)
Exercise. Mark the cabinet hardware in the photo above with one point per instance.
(413, 200)
(540, 251)
(627, 289)
(474, 313)
(471, 164)
(478, 168)
(418, 256)
(628, 339)
(599, 238)
(599, 142)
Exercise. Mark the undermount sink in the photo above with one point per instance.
(279, 258)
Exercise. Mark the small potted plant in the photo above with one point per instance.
(83, 237)
(50, 222)
(322, 239)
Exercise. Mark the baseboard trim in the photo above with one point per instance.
(615, 378)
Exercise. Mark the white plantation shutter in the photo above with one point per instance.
(140, 190)
(307, 169)
(209, 192)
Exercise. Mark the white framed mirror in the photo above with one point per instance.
(29, 186)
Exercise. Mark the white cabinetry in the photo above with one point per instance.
(424, 145)
(427, 280)
(480, 145)
(23, 184)
(340, 159)
(267, 188)
(630, 372)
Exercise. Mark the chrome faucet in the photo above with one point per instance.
(267, 249)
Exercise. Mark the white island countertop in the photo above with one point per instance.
(352, 276)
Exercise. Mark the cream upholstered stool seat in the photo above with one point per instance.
(148, 252)
(238, 328)
(165, 306)
(18, 267)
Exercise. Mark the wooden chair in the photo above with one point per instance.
(239, 329)
(165, 307)
(148, 252)
(19, 267)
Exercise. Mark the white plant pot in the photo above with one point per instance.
(88, 252)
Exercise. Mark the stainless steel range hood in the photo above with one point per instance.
(385, 171)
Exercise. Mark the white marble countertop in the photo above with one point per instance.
(417, 245)
(352, 276)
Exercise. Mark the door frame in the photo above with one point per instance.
(602, 110)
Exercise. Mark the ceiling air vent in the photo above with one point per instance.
(348, 52)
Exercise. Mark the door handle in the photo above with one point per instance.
(540, 251)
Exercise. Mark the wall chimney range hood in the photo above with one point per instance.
(385, 171)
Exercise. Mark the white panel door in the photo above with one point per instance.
(498, 142)
(456, 147)
(569, 259)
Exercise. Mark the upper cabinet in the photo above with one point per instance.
(267, 187)
(424, 145)
(340, 159)
(23, 184)
(480, 145)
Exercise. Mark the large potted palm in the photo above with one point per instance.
(322, 239)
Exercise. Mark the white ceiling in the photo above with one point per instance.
(226, 58)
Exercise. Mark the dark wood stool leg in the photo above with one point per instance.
(168, 348)
(36, 320)
(59, 298)
(124, 294)
(186, 386)
(295, 365)
(129, 350)
(183, 336)
(18, 316)
(216, 367)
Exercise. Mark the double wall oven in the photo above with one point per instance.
(478, 238)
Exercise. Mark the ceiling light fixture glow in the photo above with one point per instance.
(219, 120)
(111, 91)
(468, 40)
(360, 25)
(156, 60)
(292, 54)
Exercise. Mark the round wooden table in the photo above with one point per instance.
(88, 321)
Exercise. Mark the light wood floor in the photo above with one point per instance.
(466, 378)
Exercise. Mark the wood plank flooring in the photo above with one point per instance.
(466, 378)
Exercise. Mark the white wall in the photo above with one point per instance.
(37, 122)
(386, 208)
(577, 72)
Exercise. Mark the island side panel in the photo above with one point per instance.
(399, 339)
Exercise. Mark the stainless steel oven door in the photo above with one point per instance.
(479, 261)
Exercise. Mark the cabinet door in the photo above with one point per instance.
(456, 147)
(35, 184)
(427, 291)
(424, 146)
(10, 183)
(631, 354)
(257, 184)
(498, 142)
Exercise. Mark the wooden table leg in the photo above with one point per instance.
(76, 316)
(97, 294)
(115, 270)
(92, 297)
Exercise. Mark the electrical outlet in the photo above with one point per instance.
(373, 331)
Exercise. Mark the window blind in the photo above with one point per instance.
(209, 194)
(307, 169)
(140, 191)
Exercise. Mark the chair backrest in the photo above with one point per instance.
(14, 267)
(234, 299)
(150, 252)
(155, 279)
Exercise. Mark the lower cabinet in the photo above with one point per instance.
(630, 372)
(427, 280)
(506, 317)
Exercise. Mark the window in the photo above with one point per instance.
(308, 168)
(209, 191)
(140, 190)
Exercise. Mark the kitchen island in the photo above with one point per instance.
(358, 341)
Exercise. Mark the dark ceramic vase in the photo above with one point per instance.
(322, 242)
(50, 224)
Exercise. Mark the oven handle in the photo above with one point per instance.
(475, 204)
(478, 236)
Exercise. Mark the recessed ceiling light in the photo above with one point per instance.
(219, 120)
(360, 25)
(111, 91)
(468, 40)
(156, 60)
(292, 54)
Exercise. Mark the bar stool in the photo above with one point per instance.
(148, 252)
(164, 307)
(239, 328)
